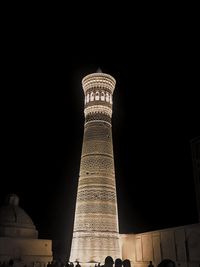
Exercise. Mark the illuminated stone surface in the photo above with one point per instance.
(96, 233)
(180, 244)
(19, 237)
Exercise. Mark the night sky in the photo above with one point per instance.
(155, 116)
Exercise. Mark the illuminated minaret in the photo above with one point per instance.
(96, 232)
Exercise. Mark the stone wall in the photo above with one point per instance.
(30, 252)
(180, 244)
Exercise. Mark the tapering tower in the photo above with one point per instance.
(96, 233)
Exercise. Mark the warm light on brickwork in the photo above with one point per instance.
(96, 231)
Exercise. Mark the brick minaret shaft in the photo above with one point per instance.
(96, 232)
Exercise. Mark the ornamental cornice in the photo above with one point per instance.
(98, 80)
(98, 109)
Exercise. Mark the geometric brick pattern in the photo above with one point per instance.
(96, 230)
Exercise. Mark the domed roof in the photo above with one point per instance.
(14, 221)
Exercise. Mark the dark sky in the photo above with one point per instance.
(156, 114)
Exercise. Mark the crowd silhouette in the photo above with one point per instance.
(109, 262)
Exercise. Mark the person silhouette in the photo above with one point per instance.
(109, 261)
(126, 263)
(150, 264)
(167, 263)
(77, 264)
(118, 262)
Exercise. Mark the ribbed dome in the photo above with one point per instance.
(13, 216)
(14, 221)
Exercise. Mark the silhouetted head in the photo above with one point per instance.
(167, 263)
(109, 260)
(118, 262)
(11, 262)
(126, 263)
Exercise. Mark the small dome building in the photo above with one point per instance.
(19, 238)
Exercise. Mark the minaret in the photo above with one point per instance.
(96, 232)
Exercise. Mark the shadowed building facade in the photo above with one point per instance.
(96, 233)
